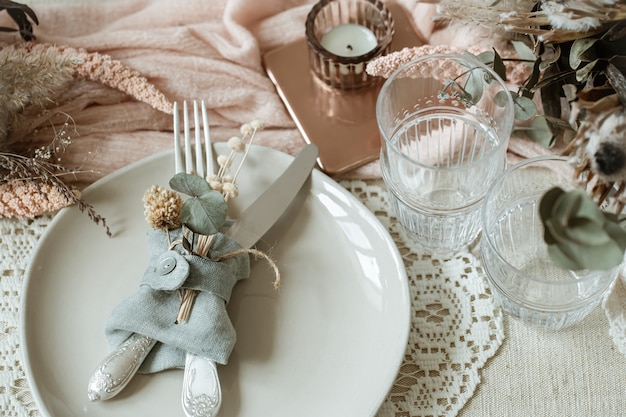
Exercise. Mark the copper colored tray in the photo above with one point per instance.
(341, 123)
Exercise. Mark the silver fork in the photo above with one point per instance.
(201, 394)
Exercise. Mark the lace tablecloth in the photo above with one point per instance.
(455, 330)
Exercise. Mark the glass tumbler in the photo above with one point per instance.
(445, 122)
(343, 36)
(528, 285)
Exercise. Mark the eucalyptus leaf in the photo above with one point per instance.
(586, 232)
(474, 84)
(187, 244)
(189, 184)
(22, 15)
(523, 51)
(501, 98)
(541, 132)
(587, 208)
(486, 57)
(579, 52)
(600, 257)
(562, 259)
(551, 95)
(553, 233)
(617, 233)
(578, 257)
(578, 233)
(548, 201)
(531, 84)
(577, 204)
(583, 73)
(554, 57)
(205, 214)
(523, 108)
(616, 33)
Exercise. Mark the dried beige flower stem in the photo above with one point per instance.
(385, 65)
(568, 24)
(23, 199)
(103, 69)
(112, 73)
(484, 13)
(29, 176)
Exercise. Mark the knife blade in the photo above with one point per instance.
(117, 369)
(265, 211)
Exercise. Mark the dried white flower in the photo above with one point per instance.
(246, 129)
(222, 160)
(230, 189)
(162, 208)
(236, 144)
(575, 15)
(257, 124)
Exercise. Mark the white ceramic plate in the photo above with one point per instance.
(329, 343)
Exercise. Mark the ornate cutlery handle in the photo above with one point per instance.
(202, 395)
(118, 367)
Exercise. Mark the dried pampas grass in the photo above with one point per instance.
(36, 78)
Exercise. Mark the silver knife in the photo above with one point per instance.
(118, 367)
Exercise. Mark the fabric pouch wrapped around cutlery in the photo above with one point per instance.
(153, 309)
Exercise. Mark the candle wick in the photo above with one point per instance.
(349, 47)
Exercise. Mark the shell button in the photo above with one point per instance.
(167, 265)
(168, 272)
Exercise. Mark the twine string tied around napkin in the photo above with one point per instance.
(188, 295)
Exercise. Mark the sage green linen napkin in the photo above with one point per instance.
(153, 309)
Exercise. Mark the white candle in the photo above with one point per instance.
(349, 40)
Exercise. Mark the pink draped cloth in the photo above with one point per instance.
(209, 50)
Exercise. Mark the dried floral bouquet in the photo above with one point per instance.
(34, 77)
(572, 93)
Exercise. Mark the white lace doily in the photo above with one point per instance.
(17, 241)
(455, 327)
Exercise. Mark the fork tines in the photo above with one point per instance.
(201, 122)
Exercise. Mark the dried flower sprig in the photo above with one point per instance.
(162, 208)
(34, 76)
(204, 212)
(483, 13)
(576, 50)
(225, 181)
(565, 20)
(105, 70)
(33, 185)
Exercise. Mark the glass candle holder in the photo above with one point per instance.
(343, 36)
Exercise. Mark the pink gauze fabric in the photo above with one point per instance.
(189, 50)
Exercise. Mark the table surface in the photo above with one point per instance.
(463, 357)
(507, 368)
